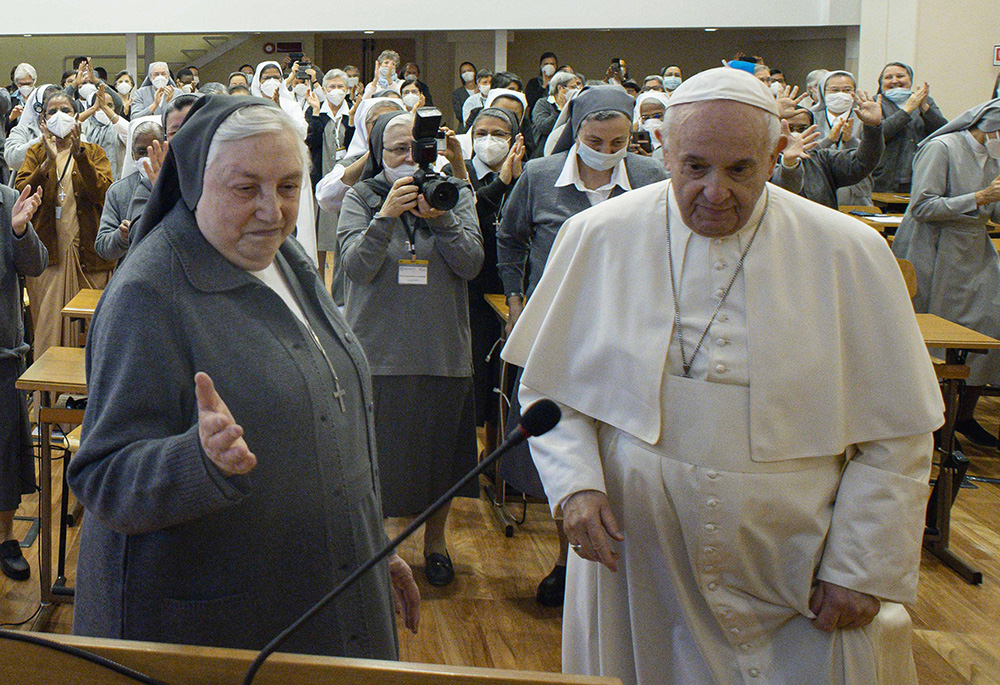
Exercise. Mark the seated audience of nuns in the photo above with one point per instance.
(144, 185)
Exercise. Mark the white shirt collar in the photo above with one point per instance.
(481, 169)
(571, 176)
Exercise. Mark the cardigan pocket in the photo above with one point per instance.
(225, 621)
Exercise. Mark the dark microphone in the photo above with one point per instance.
(536, 420)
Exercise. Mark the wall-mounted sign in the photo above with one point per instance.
(996, 55)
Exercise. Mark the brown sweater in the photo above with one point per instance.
(91, 179)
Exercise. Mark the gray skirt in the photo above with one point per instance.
(17, 468)
(425, 429)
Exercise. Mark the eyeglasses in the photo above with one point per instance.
(398, 150)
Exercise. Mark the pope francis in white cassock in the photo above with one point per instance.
(748, 404)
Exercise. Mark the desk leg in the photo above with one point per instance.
(936, 539)
(45, 515)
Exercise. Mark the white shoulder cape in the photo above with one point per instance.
(836, 356)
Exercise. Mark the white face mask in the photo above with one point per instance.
(160, 82)
(548, 70)
(269, 87)
(600, 161)
(102, 118)
(491, 150)
(87, 91)
(838, 103)
(25, 91)
(671, 82)
(393, 174)
(383, 72)
(411, 100)
(300, 90)
(484, 90)
(993, 146)
(141, 163)
(60, 124)
(196, 80)
(352, 81)
(898, 95)
(652, 125)
(335, 96)
(777, 89)
(468, 76)
(124, 88)
(187, 88)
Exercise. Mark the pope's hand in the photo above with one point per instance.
(405, 593)
(591, 526)
(839, 607)
(221, 437)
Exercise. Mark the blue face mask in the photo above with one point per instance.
(898, 95)
(671, 82)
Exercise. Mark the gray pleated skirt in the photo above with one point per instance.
(425, 429)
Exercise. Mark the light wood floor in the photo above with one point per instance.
(488, 616)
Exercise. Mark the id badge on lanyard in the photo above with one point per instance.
(412, 271)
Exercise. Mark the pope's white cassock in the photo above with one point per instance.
(798, 451)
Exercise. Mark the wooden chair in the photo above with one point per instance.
(909, 275)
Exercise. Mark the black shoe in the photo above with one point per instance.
(438, 569)
(971, 429)
(12, 562)
(552, 589)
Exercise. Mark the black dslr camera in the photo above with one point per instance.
(440, 191)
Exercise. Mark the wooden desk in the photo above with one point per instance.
(891, 199)
(188, 665)
(957, 341)
(79, 311)
(58, 370)
(888, 223)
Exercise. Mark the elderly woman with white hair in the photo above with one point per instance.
(156, 91)
(228, 456)
(562, 87)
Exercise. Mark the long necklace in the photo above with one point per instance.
(685, 362)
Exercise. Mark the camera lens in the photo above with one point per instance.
(440, 194)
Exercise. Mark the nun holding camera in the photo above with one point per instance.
(409, 249)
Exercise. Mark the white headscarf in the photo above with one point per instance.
(130, 166)
(29, 117)
(648, 95)
(500, 92)
(359, 143)
(286, 98)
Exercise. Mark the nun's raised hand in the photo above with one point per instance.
(24, 208)
(869, 109)
(157, 152)
(75, 140)
(221, 437)
(789, 100)
(402, 198)
(49, 140)
(513, 165)
(313, 101)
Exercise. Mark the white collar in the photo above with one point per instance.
(481, 169)
(571, 175)
(326, 109)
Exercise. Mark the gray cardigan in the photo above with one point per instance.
(537, 209)
(109, 243)
(18, 256)
(827, 169)
(902, 132)
(411, 329)
(172, 550)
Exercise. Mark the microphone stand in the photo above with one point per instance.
(515, 437)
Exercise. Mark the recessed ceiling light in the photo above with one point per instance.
(710, 30)
(369, 32)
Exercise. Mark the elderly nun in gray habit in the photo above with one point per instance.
(228, 456)
(955, 192)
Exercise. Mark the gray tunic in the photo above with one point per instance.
(171, 549)
(110, 243)
(945, 235)
(411, 329)
(536, 210)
